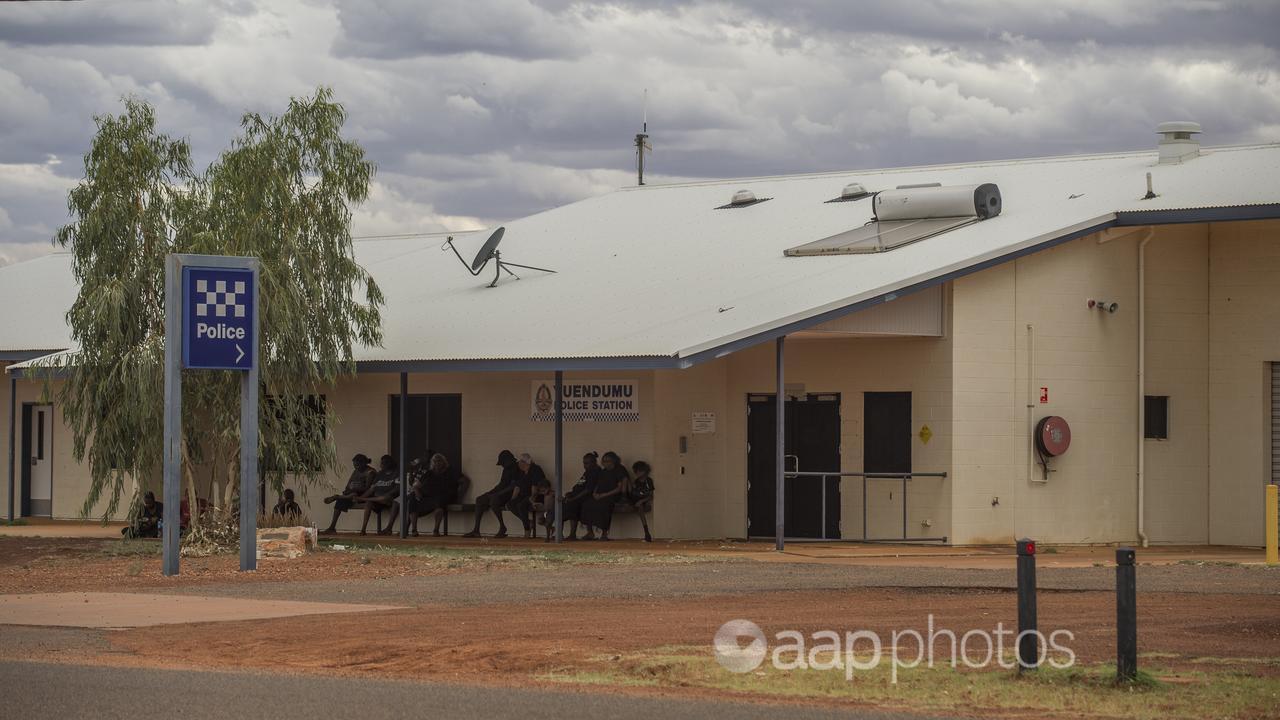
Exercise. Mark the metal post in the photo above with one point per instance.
(403, 459)
(13, 395)
(904, 507)
(173, 414)
(1028, 638)
(823, 480)
(1272, 506)
(249, 469)
(864, 507)
(559, 479)
(780, 447)
(1126, 616)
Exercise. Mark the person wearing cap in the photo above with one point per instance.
(359, 482)
(528, 474)
(497, 498)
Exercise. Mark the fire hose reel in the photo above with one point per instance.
(1053, 437)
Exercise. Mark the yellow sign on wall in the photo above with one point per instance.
(925, 434)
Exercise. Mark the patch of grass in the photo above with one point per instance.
(130, 548)
(16, 522)
(134, 569)
(1077, 691)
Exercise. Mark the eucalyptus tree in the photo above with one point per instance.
(283, 191)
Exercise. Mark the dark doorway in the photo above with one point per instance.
(886, 419)
(886, 449)
(434, 423)
(812, 445)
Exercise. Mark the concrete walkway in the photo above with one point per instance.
(838, 553)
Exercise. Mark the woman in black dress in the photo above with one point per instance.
(434, 489)
(577, 496)
(640, 493)
(597, 512)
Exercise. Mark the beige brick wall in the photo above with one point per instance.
(1244, 304)
(1087, 359)
(1177, 359)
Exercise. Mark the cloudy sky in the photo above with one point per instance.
(477, 111)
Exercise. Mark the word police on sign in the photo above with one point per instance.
(587, 401)
(217, 304)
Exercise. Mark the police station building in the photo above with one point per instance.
(1079, 349)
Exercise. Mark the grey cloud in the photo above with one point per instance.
(119, 22)
(481, 112)
(406, 28)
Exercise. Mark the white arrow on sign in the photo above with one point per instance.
(241, 355)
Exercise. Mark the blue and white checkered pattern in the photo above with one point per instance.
(219, 302)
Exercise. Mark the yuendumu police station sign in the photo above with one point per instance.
(587, 401)
(218, 314)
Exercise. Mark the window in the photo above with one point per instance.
(1157, 417)
(307, 426)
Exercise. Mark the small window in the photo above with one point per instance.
(1157, 417)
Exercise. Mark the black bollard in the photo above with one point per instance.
(1126, 616)
(1028, 637)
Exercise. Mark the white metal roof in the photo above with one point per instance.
(657, 271)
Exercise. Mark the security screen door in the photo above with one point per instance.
(37, 446)
(812, 445)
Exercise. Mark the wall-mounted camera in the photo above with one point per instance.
(1104, 305)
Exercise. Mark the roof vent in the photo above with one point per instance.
(1177, 141)
(851, 192)
(742, 198)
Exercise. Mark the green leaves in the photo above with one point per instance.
(282, 192)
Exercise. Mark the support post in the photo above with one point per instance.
(402, 461)
(172, 491)
(1273, 552)
(780, 449)
(13, 404)
(1126, 616)
(559, 469)
(1028, 637)
(249, 470)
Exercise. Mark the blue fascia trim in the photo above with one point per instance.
(1199, 215)
(23, 355)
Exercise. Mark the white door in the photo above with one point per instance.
(41, 493)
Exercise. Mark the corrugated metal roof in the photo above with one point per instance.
(656, 271)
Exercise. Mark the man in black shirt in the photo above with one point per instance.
(147, 524)
(498, 497)
(359, 482)
(528, 474)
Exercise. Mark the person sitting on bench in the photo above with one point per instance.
(384, 491)
(359, 482)
(528, 474)
(286, 508)
(597, 511)
(497, 498)
(640, 493)
(430, 488)
(571, 509)
(150, 519)
(543, 503)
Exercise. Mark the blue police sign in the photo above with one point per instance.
(217, 318)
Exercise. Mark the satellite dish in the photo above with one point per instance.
(488, 250)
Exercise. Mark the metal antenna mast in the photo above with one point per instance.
(642, 140)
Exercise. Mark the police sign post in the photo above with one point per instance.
(211, 303)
